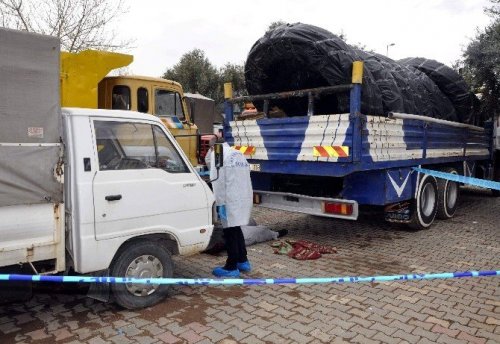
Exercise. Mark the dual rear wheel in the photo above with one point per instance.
(434, 198)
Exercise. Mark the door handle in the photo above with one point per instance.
(113, 197)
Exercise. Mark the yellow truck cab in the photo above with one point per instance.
(84, 84)
(156, 96)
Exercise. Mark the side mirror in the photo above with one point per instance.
(219, 155)
(218, 158)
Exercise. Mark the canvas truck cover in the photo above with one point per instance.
(30, 118)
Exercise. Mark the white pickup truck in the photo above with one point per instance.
(92, 191)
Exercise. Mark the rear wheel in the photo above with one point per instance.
(141, 259)
(448, 194)
(425, 205)
(496, 174)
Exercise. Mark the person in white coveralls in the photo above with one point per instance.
(234, 200)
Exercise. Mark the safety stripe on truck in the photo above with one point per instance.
(172, 122)
(246, 150)
(331, 151)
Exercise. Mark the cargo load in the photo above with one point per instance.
(300, 56)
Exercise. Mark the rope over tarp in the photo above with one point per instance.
(246, 281)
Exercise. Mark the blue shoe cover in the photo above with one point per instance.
(245, 267)
(221, 272)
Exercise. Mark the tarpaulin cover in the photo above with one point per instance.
(30, 118)
(300, 56)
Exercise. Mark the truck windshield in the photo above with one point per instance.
(168, 103)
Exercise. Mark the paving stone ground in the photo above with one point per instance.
(435, 311)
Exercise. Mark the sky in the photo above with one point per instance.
(226, 30)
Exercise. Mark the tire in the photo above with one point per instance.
(448, 195)
(143, 259)
(496, 175)
(425, 205)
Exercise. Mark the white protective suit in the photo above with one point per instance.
(233, 188)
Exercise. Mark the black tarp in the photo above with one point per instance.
(300, 56)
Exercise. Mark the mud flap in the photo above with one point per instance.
(399, 212)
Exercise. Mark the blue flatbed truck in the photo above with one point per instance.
(330, 165)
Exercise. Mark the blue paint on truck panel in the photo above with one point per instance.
(380, 187)
(283, 138)
(365, 188)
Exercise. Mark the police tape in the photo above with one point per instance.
(246, 281)
(487, 184)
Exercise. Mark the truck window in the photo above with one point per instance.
(168, 103)
(142, 100)
(125, 146)
(120, 98)
(168, 157)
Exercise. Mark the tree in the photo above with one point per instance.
(275, 24)
(234, 74)
(481, 64)
(80, 24)
(196, 74)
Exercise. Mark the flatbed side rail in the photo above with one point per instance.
(311, 93)
(434, 120)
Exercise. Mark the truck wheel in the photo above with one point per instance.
(141, 259)
(448, 193)
(496, 175)
(425, 205)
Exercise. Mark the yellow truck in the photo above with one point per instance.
(84, 84)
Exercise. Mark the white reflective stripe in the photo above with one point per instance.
(25, 144)
(386, 139)
(247, 133)
(323, 130)
(444, 152)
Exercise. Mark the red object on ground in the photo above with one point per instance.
(302, 249)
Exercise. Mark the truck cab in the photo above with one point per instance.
(156, 96)
(130, 189)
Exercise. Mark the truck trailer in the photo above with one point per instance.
(333, 165)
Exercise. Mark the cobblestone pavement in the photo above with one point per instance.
(443, 311)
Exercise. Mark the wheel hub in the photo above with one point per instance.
(145, 266)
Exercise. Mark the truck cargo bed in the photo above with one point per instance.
(326, 145)
(32, 233)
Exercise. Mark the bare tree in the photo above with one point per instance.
(80, 24)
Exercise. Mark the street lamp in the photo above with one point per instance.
(387, 48)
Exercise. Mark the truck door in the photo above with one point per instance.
(143, 184)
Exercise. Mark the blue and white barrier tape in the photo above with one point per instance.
(249, 281)
(487, 184)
